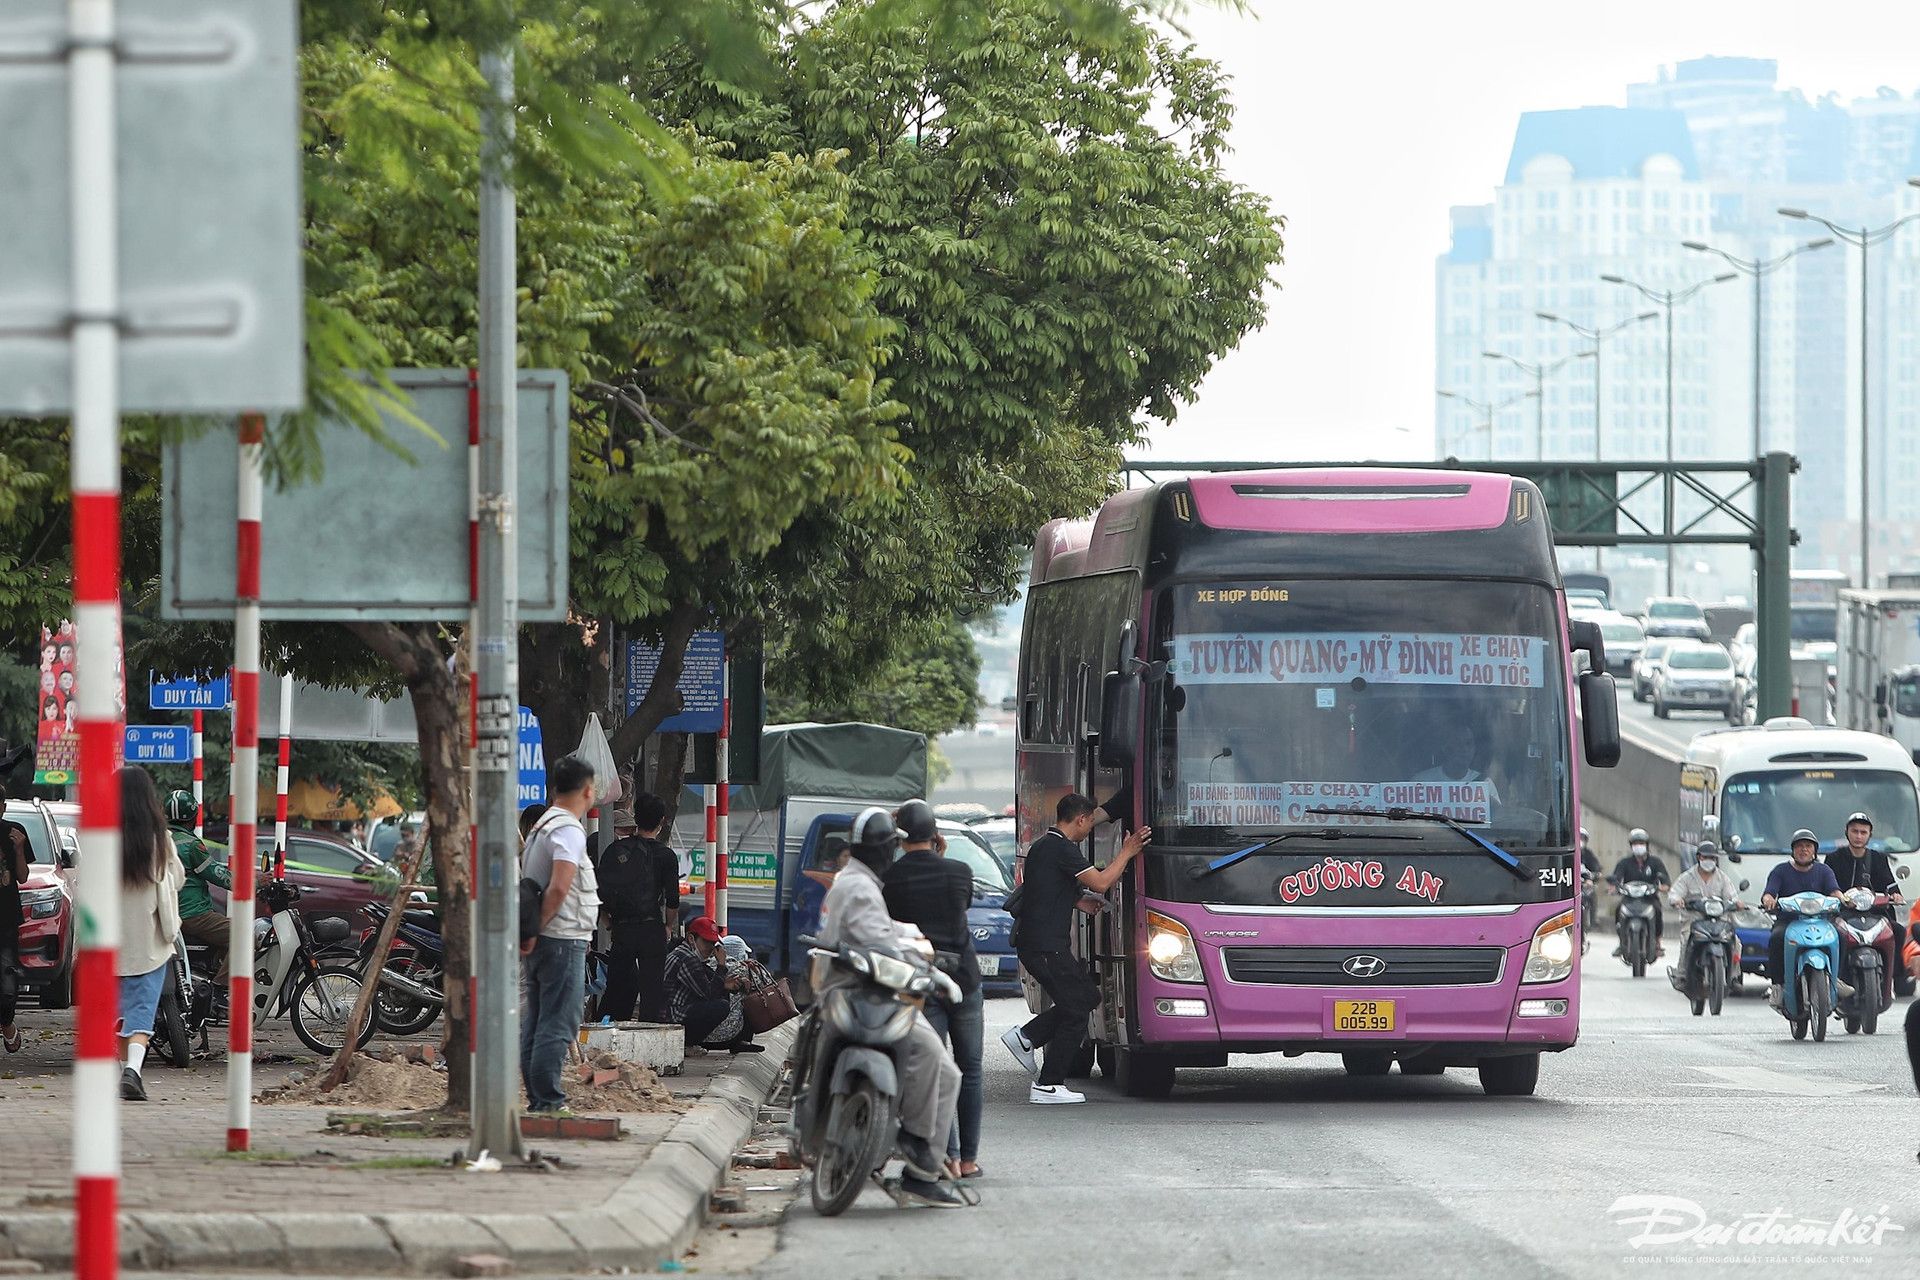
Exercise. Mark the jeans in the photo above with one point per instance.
(635, 965)
(963, 1026)
(553, 996)
(1063, 1027)
(704, 1017)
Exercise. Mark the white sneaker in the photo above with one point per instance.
(1847, 991)
(1053, 1094)
(1022, 1052)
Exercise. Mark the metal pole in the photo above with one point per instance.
(1773, 608)
(721, 770)
(200, 774)
(1866, 561)
(1757, 276)
(244, 775)
(1670, 513)
(712, 887)
(95, 463)
(282, 776)
(1540, 412)
(496, 1123)
(1598, 344)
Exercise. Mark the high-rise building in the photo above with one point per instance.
(1707, 151)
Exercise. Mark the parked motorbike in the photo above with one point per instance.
(1709, 954)
(1810, 988)
(186, 1004)
(292, 977)
(846, 1074)
(412, 982)
(1633, 922)
(1866, 959)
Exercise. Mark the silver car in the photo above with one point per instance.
(1623, 638)
(1647, 665)
(1693, 676)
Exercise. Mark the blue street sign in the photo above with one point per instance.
(159, 744)
(702, 682)
(188, 693)
(532, 757)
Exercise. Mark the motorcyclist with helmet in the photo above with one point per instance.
(1855, 866)
(855, 914)
(1805, 874)
(1640, 864)
(199, 922)
(1704, 879)
(1589, 860)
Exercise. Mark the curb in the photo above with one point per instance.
(649, 1219)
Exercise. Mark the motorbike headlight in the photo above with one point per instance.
(889, 972)
(1170, 950)
(1713, 908)
(1860, 899)
(1550, 956)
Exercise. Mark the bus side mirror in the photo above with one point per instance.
(1587, 636)
(1600, 719)
(1119, 719)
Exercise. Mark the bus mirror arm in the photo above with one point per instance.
(1588, 636)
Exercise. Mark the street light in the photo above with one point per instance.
(1539, 374)
(1669, 299)
(1758, 268)
(1863, 239)
(1596, 337)
(1485, 410)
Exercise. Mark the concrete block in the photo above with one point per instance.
(45, 1238)
(19, 1267)
(605, 1242)
(213, 1241)
(482, 1265)
(431, 1241)
(660, 1046)
(342, 1243)
(535, 1242)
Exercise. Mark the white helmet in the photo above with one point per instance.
(1637, 836)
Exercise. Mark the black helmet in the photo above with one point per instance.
(874, 829)
(180, 808)
(916, 821)
(1707, 849)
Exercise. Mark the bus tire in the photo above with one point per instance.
(1513, 1077)
(1141, 1074)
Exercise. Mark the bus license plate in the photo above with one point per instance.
(989, 966)
(1363, 1015)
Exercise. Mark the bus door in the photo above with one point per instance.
(1103, 938)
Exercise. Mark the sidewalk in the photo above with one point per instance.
(310, 1200)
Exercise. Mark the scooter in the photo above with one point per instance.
(1866, 959)
(1811, 986)
(1709, 955)
(846, 1077)
(186, 1005)
(1633, 921)
(412, 982)
(292, 975)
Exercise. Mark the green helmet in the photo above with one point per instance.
(180, 808)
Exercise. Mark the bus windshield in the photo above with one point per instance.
(1816, 624)
(1762, 810)
(1284, 697)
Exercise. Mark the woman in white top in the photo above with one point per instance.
(150, 880)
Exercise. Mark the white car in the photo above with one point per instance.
(1623, 639)
(1695, 677)
(1647, 665)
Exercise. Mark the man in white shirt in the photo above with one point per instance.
(553, 967)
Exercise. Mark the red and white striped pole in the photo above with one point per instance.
(709, 794)
(199, 773)
(244, 857)
(721, 773)
(95, 464)
(282, 777)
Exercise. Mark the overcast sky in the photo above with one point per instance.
(1363, 122)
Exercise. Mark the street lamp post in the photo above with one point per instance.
(1759, 269)
(1863, 239)
(1596, 337)
(1669, 299)
(1485, 410)
(1539, 374)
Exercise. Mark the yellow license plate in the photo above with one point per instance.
(1363, 1015)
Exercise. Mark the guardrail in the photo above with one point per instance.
(1641, 791)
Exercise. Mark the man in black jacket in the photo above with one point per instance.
(640, 888)
(1856, 866)
(923, 888)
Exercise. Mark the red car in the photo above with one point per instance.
(337, 876)
(46, 903)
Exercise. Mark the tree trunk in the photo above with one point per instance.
(552, 686)
(668, 777)
(440, 703)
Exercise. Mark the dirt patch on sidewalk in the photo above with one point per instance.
(602, 1085)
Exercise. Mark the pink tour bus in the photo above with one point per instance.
(1347, 703)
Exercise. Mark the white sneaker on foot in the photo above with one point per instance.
(1847, 989)
(1022, 1052)
(1053, 1094)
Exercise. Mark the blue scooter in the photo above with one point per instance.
(1811, 988)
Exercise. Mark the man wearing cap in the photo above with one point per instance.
(700, 995)
(1856, 866)
(1805, 874)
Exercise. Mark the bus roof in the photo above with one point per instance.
(1788, 742)
(1305, 500)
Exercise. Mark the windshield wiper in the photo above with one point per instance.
(1241, 855)
(1491, 849)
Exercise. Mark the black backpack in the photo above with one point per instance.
(629, 889)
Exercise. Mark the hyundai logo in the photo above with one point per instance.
(983, 932)
(1364, 966)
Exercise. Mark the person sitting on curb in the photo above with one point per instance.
(702, 997)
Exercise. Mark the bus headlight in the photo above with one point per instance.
(1550, 958)
(1170, 950)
